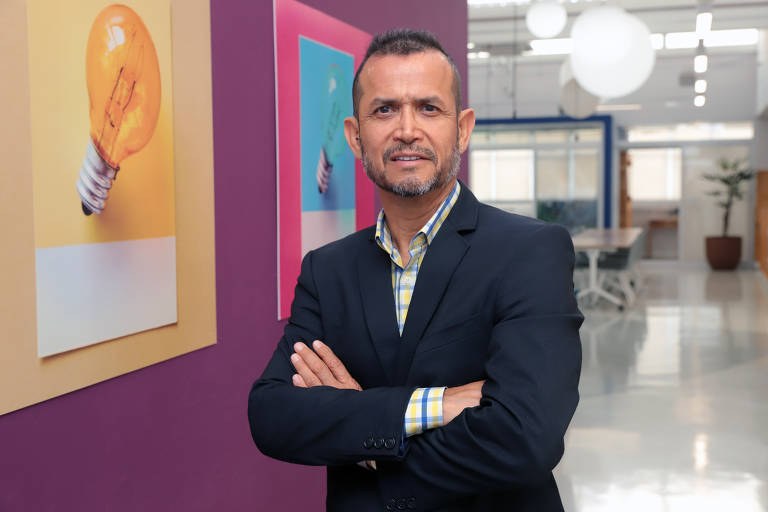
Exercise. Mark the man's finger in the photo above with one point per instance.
(334, 363)
(298, 381)
(317, 365)
(307, 375)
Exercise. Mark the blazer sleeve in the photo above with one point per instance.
(320, 425)
(514, 438)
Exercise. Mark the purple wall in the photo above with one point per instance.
(175, 436)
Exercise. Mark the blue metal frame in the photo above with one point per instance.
(606, 121)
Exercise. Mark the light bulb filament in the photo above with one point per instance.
(124, 93)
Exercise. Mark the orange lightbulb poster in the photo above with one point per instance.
(103, 170)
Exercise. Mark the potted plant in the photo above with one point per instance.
(724, 252)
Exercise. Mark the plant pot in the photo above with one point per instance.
(723, 252)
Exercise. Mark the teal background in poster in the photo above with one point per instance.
(317, 96)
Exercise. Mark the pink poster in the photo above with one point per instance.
(323, 192)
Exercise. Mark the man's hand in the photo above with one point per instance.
(326, 370)
(459, 398)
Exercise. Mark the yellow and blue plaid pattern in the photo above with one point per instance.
(425, 407)
(404, 279)
(424, 411)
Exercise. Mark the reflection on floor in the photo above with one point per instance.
(674, 399)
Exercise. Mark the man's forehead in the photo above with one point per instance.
(429, 69)
(434, 60)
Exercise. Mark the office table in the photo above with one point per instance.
(593, 242)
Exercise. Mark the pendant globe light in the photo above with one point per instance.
(612, 52)
(574, 100)
(546, 18)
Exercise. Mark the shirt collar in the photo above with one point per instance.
(429, 230)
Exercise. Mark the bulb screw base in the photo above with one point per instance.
(323, 173)
(95, 180)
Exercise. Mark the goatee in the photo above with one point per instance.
(413, 186)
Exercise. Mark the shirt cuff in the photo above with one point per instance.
(424, 410)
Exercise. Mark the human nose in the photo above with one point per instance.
(408, 130)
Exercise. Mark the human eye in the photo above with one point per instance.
(430, 109)
(384, 109)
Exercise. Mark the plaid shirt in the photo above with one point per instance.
(425, 407)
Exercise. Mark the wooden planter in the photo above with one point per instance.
(723, 252)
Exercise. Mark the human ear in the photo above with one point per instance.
(352, 133)
(466, 125)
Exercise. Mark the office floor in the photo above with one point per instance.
(674, 399)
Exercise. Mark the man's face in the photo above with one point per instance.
(407, 123)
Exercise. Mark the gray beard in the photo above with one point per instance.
(413, 187)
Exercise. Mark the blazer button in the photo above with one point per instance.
(368, 442)
(389, 443)
(378, 443)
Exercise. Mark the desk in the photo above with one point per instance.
(667, 222)
(593, 241)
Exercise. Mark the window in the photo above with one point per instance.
(586, 163)
(552, 174)
(550, 171)
(655, 174)
(502, 175)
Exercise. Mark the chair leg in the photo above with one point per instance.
(626, 287)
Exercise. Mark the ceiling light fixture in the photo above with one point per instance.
(700, 86)
(700, 100)
(701, 60)
(612, 51)
(560, 46)
(619, 107)
(703, 24)
(734, 37)
(546, 19)
(701, 63)
(715, 38)
(657, 41)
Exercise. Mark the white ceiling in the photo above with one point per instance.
(492, 25)
(503, 86)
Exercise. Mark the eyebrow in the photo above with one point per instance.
(421, 101)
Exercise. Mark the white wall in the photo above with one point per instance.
(762, 74)
(760, 147)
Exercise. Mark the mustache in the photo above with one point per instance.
(410, 148)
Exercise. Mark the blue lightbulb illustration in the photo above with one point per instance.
(336, 94)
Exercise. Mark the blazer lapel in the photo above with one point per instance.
(375, 278)
(440, 262)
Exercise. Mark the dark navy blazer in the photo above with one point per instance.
(493, 300)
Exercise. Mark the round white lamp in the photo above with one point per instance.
(546, 19)
(574, 100)
(612, 52)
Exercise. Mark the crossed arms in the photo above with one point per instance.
(323, 368)
(510, 436)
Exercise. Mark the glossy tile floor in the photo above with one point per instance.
(674, 399)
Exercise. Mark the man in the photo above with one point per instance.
(447, 358)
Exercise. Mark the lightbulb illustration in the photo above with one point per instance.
(333, 114)
(123, 78)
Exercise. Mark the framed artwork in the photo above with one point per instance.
(323, 193)
(103, 170)
(96, 284)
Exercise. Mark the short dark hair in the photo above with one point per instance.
(404, 41)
